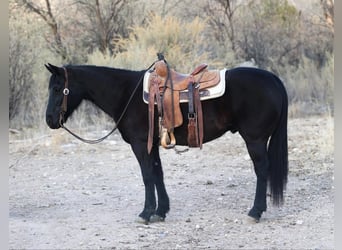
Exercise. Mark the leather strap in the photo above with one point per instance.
(198, 106)
(192, 119)
(172, 97)
(154, 96)
(191, 98)
(64, 106)
(195, 117)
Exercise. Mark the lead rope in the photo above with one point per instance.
(64, 109)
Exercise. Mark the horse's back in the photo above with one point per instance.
(254, 80)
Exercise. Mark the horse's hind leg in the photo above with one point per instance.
(258, 154)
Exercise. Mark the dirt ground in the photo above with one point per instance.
(65, 194)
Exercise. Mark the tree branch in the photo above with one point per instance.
(49, 18)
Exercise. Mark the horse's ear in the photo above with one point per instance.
(52, 68)
(48, 68)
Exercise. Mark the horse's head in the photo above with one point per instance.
(64, 97)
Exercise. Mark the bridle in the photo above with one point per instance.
(64, 108)
(66, 91)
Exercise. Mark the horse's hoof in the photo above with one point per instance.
(252, 220)
(156, 218)
(254, 216)
(141, 220)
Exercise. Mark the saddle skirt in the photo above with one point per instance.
(205, 93)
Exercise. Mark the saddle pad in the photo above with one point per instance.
(205, 94)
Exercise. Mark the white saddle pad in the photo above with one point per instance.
(206, 94)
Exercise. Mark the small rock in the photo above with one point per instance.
(299, 222)
(209, 182)
(14, 131)
(97, 203)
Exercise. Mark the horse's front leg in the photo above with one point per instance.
(163, 198)
(152, 174)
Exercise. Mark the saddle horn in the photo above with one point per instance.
(160, 56)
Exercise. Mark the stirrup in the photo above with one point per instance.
(167, 139)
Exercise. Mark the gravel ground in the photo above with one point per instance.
(68, 195)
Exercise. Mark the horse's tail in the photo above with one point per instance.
(278, 155)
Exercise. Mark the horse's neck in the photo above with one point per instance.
(107, 87)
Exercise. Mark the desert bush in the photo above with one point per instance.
(20, 80)
(182, 43)
(310, 90)
(28, 79)
(270, 33)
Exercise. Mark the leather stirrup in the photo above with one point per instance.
(167, 139)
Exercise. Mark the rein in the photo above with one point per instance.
(64, 110)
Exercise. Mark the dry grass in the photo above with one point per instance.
(310, 90)
(327, 135)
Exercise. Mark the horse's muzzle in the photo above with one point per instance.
(51, 123)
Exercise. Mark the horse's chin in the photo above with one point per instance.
(54, 126)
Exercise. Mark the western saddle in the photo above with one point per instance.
(166, 89)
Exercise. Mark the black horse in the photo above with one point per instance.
(255, 105)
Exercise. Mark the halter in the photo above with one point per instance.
(64, 108)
